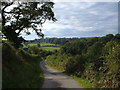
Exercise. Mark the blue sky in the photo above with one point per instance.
(82, 19)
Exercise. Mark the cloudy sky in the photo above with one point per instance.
(82, 19)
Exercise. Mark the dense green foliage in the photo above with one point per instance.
(20, 69)
(96, 59)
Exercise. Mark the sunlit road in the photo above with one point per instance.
(56, 79)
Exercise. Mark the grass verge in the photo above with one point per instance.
(83, 82)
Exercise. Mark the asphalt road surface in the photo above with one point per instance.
(56, 79)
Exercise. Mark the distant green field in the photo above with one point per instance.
(43, 44)
(46, 46)
(32, 44)
(50, 48)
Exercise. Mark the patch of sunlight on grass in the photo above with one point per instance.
(83, 82)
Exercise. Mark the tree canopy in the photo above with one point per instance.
(23, 16)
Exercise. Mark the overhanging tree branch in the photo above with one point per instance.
(25, 15)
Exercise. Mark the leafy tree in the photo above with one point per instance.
(34, 49)
(38, 45)
(106, 38)
(73, 48)
(23, 17)
(117, 37)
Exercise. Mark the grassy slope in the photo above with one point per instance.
(20, 70)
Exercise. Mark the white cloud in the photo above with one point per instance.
(82, 19)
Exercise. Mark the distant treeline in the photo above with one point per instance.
(60, 41)
(96, 59)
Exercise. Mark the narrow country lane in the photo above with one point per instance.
(56, 79)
